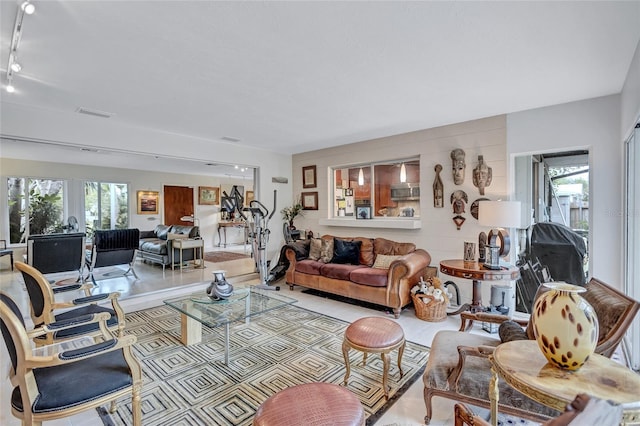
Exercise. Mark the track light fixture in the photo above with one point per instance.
(26, 8)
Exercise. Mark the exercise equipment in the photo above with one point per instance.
(258, 233)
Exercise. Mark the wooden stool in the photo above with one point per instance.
(374, 335)
(314, 404)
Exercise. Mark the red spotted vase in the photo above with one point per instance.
(565, 326)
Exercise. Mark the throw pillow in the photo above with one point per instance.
(172, 236)
(383, 261)
(510, 331)
(347, 252)
(315, 249)
(326, 253)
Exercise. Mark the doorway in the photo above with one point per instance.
(554, 187)
(178, 202)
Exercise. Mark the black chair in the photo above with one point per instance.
(52, 253)
(111, 248)
(57, 382)
(4, 251)
(42, 297)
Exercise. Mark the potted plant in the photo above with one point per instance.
(291, 212)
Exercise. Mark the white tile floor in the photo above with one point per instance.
(154, 286)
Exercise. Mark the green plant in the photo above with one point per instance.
(291, 212)
(44, 213)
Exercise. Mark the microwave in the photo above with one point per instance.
(405, 192)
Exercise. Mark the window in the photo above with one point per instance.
(386, 189)
(36, 206)
(106, 206)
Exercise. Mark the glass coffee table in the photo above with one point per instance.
(197, 309)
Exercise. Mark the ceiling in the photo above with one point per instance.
(291, 76)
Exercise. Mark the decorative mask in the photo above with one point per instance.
(457, 156)
(482, 175)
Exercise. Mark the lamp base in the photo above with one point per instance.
(492, 267)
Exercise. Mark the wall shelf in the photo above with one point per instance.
(395, 223)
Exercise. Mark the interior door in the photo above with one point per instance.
(178, 202)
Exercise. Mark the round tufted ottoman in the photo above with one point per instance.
(313, 404)
(374, 335)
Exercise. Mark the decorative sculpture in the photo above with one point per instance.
(482, 175)
(457, 156)
(438, 188)
(475, 206)
(458, 200)
(482, 242)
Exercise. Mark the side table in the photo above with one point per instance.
(477, 273)
(522, 365)
(197, 244)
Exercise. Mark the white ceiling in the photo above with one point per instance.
(296, 76)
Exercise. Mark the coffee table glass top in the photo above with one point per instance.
(244, 303)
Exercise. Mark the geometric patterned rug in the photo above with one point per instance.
(278, 349)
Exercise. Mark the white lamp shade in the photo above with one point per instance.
(503, 214)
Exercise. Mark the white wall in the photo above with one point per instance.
(438, 234)
(138, 181)
(40, 124)
(593, 124)
(630, 97)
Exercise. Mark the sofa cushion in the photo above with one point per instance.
(314, 248)
(346, 251)
(321, 249)
(383, 261)
(153, 245)
(308, 266)
(373, 277)
(162, 231)
(338, 271)
(388, 247)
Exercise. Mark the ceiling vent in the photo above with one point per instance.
(94, 112)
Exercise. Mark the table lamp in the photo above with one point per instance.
(191, 218)
(498, 215)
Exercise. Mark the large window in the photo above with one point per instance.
(106, 206)
(36, 206)
(376, 190)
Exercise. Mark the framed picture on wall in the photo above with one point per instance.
(248, 197)
(309, 177)
(309, 200)
(208, 195)
(148, 202)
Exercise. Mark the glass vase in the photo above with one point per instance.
(565, 326)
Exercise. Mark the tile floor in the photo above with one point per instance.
(154, 286)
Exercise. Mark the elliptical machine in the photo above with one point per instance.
(258, 234)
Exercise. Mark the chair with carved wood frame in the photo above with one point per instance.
(459, 368)
(53, 382)
(44, 302)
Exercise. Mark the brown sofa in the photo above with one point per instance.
(386, 287)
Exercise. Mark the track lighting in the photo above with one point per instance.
(10, 88)
(28, 7)
(16, 67)
(403, 173)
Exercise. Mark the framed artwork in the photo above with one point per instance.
(363, 212)
(208, 195)
(309, 200)
(248, 197)
(148, 202)
(309, 177)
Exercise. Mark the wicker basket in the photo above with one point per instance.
(429, 309)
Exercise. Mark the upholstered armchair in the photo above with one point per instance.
(111, 248)
(53, 253)
(459, 367)
(54, 382)
(45, 300)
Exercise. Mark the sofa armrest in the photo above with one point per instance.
(406, 270)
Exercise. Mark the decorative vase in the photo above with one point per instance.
(565, 326)
(291, 226)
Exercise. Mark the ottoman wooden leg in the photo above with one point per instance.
(345, 354)
(386, 361)
(400, 353)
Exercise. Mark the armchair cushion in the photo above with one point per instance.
(83, 329)
(91, 378)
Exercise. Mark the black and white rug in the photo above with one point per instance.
(278, 349)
